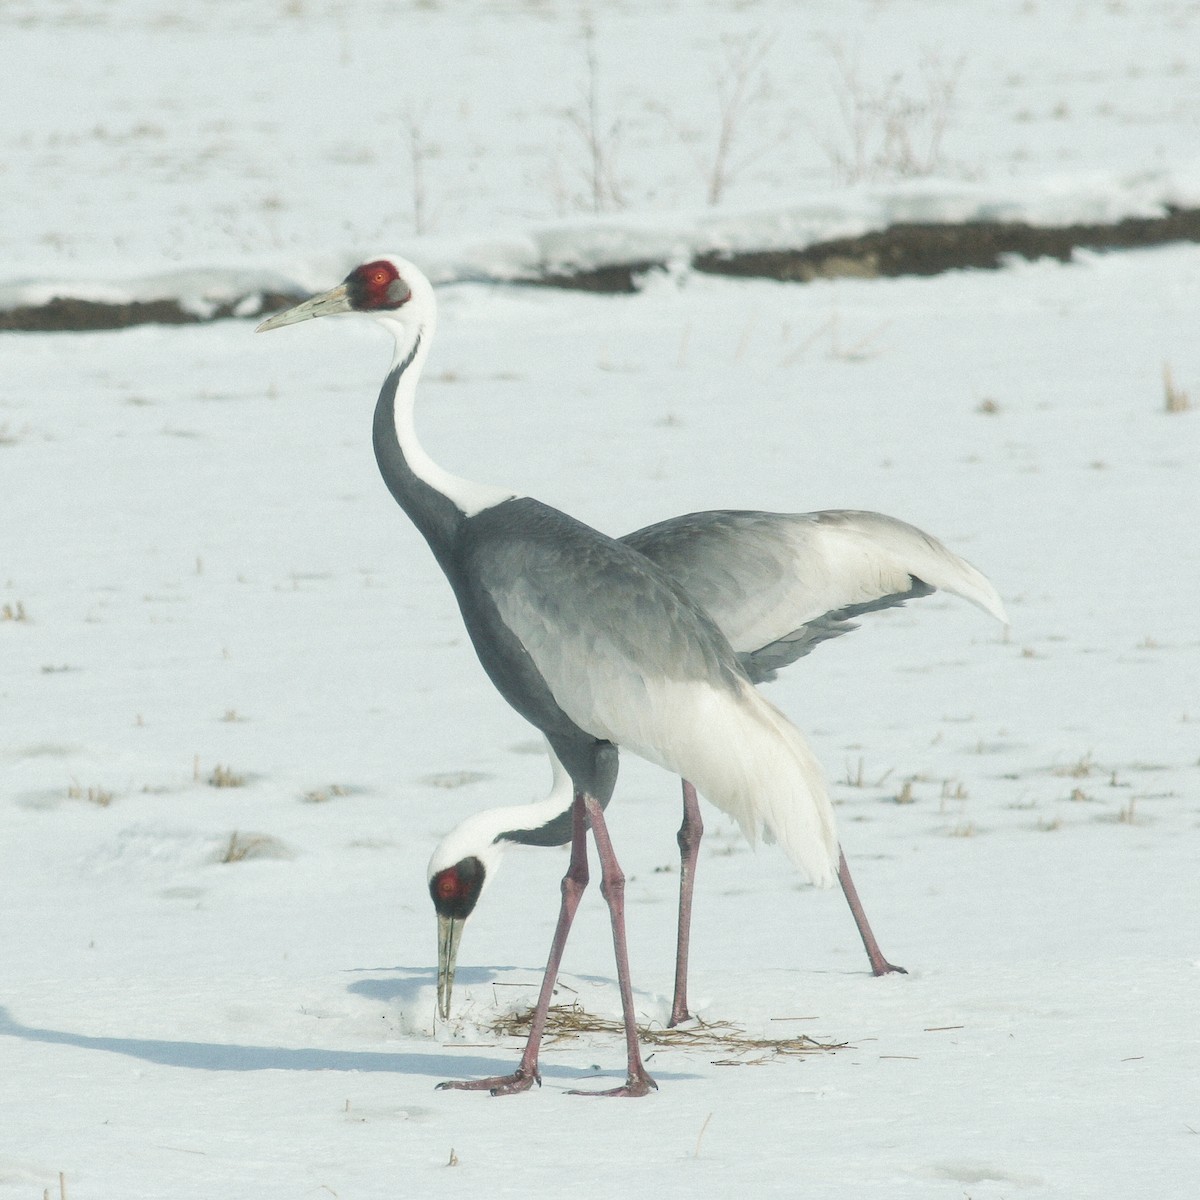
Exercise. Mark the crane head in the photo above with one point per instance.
(455, 890)
(381, 287)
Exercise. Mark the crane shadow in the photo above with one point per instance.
(232, 1056)
(229, 1056)
(410, 986)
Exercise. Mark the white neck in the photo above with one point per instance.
(413, 338)
(478, 834)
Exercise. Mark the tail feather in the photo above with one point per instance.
(743, 755)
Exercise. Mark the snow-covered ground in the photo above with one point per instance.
(202, 578)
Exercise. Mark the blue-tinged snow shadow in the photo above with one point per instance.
(227, 1056)
(408, 986)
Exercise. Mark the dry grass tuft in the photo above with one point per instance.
(1082, 768)
(322, 795)
(855, 776)
(243, 846)
(1127, 815)
(954, 790)
(93, 795)
(566, 1022)
(224, 777)
(1175, 399)
(14, 612)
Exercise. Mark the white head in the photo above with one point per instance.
(462, 865)
(466, 860)
(398, 295)
(389, 288)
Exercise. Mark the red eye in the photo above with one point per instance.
(448, 885)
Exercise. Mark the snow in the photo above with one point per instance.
(200, 569)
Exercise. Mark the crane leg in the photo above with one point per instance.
(573, 885)
(688, 837)
(879, 964)
(612, 886)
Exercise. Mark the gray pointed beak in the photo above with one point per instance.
(449, 931)
(336, 300)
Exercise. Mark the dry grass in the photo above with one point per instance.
(1127, 814)
(567, 1022)
(225, 777)
(1175, 399)
(952, 790)
(243, 846)
(14, 612)
(322, 795)
(1082, 768)
(93, 795)
(856, 777)
(894, 129)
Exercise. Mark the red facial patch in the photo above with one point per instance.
(456, 889)
(450, 884)
(377, 285)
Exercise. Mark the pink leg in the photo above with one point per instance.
(573, 884)
(612, 887)
(688, 837)
(879, 964)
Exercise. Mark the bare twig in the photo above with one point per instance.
(741, 84)
(600, 140)
(894, 128)
(413, 119)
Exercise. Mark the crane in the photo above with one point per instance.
(777, 585)
(589, 641)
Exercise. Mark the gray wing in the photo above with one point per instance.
(603, 626)
(779, 584)
(628, 657)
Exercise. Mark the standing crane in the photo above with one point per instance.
(777, 585)
(593, 644)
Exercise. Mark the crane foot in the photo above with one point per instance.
(497, 1085)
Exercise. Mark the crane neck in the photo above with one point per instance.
(436, 501)
(484, 835)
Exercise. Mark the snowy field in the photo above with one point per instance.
(229, 990)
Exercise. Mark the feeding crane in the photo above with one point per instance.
(777, 585)
(589, 641)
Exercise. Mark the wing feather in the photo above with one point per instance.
(778, 584)
(629, 658)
